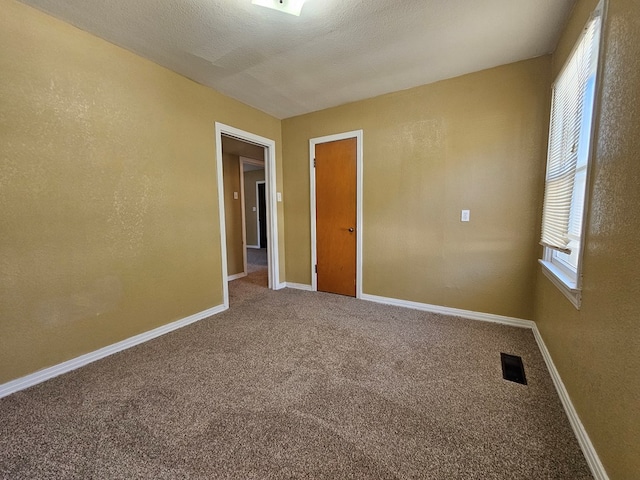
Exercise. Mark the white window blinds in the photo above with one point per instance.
(569, 135)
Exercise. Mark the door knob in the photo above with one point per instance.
(351, 229)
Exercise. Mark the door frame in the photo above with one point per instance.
(260, 182)
(358, 135)
(257, 163)
(272, 206)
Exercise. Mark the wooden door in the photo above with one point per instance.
(336, 197)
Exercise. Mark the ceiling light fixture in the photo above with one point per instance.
(292, 7)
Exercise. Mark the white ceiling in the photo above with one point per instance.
(337, 51)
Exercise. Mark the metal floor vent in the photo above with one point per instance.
(513, 369)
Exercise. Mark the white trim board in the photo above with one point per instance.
(299, 286)
(589, 451)
(590, 454)
(236, 276)
(358, 135)
(457, 312)
(64, 367)
(272, 205)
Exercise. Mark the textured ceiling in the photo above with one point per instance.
(337, 51)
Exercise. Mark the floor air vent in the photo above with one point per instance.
(512, 368)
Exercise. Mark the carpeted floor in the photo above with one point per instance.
(294, 384)
(257, 256)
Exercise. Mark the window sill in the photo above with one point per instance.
(568, 288)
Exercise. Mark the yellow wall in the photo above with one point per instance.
(110, 222)
(597, 349)
(474, 142)
(233, 213)
(251, 202)
(108, 193)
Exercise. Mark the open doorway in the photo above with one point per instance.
(244, 159)
(255, 208)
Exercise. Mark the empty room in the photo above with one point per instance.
(326, 239)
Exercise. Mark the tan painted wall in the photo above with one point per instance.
(108, 197)
(597, 349)
(474, 142)
(109, 207)
(233, 213)
(251, 202)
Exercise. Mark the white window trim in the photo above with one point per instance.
(570, 288)
(566, 285)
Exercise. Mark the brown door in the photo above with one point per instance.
(336, 216)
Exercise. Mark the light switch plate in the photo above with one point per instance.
(464, 216)
(254, 209)
(279, 195)
(235, 195)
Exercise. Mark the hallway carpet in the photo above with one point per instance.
(257, 256)
(299, 385)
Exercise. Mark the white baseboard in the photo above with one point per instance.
(64, 367)
(485, 317)
(253, 246)
(236, 276)
(590, 454)
(299, 286)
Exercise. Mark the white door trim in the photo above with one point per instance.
(259, 182)
(358, 135)
(272, 216)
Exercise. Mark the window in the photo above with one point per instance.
(570, 132)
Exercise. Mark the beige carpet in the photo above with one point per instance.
(294, 384)
(257, 256)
